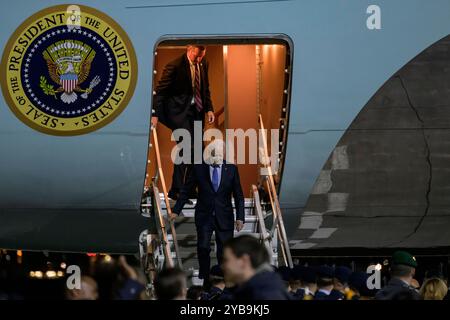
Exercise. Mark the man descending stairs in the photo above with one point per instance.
(218, 184)
(187, 237)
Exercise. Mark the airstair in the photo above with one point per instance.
(171, 240)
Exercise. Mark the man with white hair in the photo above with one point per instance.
(217, 181)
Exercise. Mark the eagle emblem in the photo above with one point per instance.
(69, 63)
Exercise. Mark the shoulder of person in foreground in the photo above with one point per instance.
(266, 285)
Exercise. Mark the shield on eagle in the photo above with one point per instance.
(69, 64)
(68, 81)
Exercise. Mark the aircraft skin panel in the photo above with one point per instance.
(62, 230)
(37, 173)
(338, 65)
(385, 184)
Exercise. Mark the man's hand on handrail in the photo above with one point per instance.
(154, 122)
(211, 116)
(172, 216)
(239, 224)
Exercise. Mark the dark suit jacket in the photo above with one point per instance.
(322, 296)
(264, 285)
(396, 289)
(172, 102)
(209, 201)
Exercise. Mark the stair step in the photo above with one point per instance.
(193, 236)
(187, 234)
(191, 220)
(189, 209)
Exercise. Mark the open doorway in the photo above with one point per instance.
(248, 77)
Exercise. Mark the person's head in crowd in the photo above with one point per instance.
(216, 278)
(285, 274)
(243, 256)
(400, 286)
(341, 277)
(296, 281)
(325, 276)
(88, 290)
(434, 289)
(403, 266)
(309, 279)
(357, 283)
(194, 293)
(246, 263)
(170, 284)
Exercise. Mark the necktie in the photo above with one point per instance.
(197, 95)
(215, 178)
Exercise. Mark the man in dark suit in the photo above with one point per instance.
(403, 270)
(246, 264)
(325, 285)
(182, 97)
(217, 181)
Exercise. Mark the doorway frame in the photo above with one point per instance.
(239, 39)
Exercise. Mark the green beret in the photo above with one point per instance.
(404, 258)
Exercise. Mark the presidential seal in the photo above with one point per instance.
(68, 70)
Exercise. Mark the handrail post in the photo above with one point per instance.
(262, 226)
(165, 240)
(272, 190)
(275, 225)
(170, 215)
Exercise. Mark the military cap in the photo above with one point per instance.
(309, 275)
(284, 272)
(325, 271)
(297, 272)
(342, 274)
(358, 281)
(404, 258)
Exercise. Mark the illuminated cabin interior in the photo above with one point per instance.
(248, 77)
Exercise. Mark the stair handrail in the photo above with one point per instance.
(265, 236)
(164, 241)
(276, 226)
(170, 215)
(274, 199)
